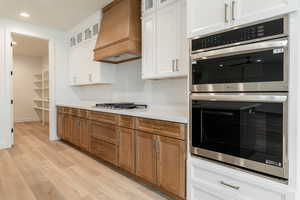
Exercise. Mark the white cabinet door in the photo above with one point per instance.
(167, 48)
(248, 11)
(148, 47)
(208, 16)
(199, 191)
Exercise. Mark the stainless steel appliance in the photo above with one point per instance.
(251, 58)
(239, 99)
(246, 130)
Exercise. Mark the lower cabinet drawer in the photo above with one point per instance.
(242, 190)
(104, 150)
(104, 131)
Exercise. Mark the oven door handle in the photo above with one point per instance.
(236, 50)
(268, 98)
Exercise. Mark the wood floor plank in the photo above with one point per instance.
(39, 169)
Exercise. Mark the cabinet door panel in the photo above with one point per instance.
(146, 157)
(127, 149)
(84, 135)
(148, 47)
(60, 125)
(167, 38)
(254, 8)
(206, 17)
(104, 150)
(76, 131)
(203, 192)
(104, 131)
(68, 128)
(171, 165)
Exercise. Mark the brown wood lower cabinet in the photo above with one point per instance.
(104, 131)
(104, 150)
(127, 149)
(60, 125)
(68, 128)
(171, 166)
(84, 134)
(153, 150)
(146, 156)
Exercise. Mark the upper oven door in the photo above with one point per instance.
(254, 67)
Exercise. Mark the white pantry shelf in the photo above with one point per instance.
(42, 99)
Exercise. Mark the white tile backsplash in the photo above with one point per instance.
(129, 86)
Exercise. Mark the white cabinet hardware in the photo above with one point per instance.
(233, 3)
(229, 185)
(226, 12)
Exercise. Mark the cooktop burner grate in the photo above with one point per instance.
(121, 105)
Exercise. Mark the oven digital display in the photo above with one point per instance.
(258, 31)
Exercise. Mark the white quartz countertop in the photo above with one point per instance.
(153, 112)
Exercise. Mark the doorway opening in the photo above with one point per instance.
(30, 85)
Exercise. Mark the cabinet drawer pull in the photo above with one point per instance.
(173, 65)
(229, 185)
(233, 10)
(176, 66)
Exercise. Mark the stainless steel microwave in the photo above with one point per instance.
(253, 58)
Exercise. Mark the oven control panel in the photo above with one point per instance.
(257, 31)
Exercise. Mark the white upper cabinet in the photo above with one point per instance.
(167, 52)
(83, 70)
(216, 15)
(165, 45)
(258, 9)
(148, 47)
(207, 16)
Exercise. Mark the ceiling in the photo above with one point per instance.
(29, 46)
(59, 14)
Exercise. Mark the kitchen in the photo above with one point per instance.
(145, 91)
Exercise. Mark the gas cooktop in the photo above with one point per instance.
(124, 105)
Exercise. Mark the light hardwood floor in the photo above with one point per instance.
(37, 169)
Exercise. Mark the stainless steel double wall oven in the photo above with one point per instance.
(239, 99)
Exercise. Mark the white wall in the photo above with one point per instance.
(25, 67)
(60, 90)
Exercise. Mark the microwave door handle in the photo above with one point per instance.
(240, 98)
(236, 50)
(219, 113)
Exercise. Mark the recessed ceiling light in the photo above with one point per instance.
(25, 14)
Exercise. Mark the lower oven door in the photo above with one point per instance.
(246, 130)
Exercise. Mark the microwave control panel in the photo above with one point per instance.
(257, 31)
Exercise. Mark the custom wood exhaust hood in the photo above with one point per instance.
(119, 39)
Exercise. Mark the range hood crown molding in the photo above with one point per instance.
(119, 39)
